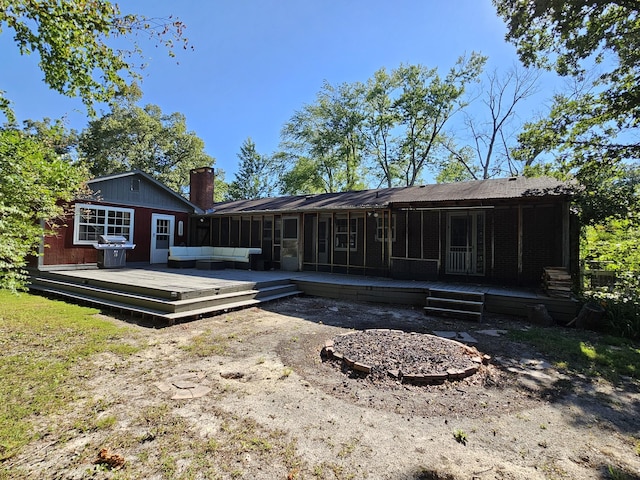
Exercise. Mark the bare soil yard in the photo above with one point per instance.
(269, 406)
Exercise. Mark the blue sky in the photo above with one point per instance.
(255, 62)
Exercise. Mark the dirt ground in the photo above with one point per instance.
(269, 406)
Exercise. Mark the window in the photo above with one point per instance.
(346, 233)
(382, 228)
(91, 221)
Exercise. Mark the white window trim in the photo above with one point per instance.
(382, 223)
(351, 233)
(77, 216)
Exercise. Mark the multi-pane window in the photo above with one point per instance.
(346, 233)
(91, 221)
(382, 228)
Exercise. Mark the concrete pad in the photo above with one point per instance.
(492, 332)
(445, 334)
(163, 387)
(199, 391)
(465, 337)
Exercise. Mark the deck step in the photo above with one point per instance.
(215, 301)
(452, 312)
(455, 303)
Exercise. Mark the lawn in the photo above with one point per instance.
(41, 343)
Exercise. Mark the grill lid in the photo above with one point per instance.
(112, 239)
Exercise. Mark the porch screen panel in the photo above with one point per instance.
(414, 232)
(224, 231)
(431, 234)
(356, 254)
(245, 232)
(256, 227)
(480, 244)
(310, 240)
(277, 238)
(267, 240)
(215, 229)
(398, 248)
(234, 236)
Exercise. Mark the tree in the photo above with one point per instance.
(427, 102)
(35, 179)
(492, 135)
(136, 138)
(591, 131)
(380, 121)
(73, 41)
(389, 130)
(326, 135)
(256, 176)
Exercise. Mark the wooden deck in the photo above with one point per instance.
(174, 294)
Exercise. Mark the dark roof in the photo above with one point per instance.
(479, 190)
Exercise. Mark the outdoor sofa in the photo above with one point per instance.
(233, 257)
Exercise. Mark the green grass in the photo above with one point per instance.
(584, 352)
(41, 341)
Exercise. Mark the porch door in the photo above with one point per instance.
(161, 237)
(323, 239)
(465, 243)
(289, 253)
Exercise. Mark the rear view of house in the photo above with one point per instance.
(495, 231)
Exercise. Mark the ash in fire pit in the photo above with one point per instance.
(408, 357)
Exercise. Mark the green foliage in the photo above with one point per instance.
(324, 136)
(135, 138)
(388, 131)
(593, 130)
(72, 39)
(460, 436)
(41, 342)
(34, 182)
(257, 174)
(613, 246)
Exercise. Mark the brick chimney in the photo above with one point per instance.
(201, 187)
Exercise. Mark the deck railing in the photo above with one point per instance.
(459, 259)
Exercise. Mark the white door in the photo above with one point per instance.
(465, 243)
(161, 237)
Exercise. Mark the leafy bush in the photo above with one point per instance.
(614, 244)
(621, 304)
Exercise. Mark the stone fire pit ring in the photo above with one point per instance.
(415, 358)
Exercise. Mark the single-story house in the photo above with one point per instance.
(488, 231)
(132, 205)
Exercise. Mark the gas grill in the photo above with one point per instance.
(112, 251)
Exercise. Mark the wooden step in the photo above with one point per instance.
(170, 310)
(449, 312)
(466, 305)
(455, 303)
(457, 294)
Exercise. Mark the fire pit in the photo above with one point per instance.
(408, 357)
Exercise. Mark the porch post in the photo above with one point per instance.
(566, 235)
